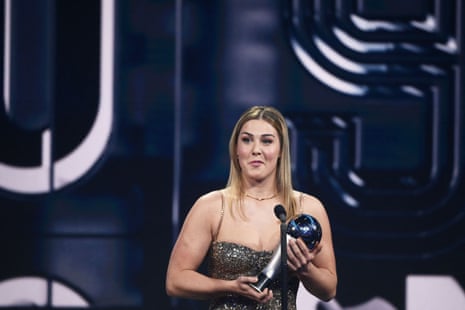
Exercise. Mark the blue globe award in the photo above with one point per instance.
(302, 226)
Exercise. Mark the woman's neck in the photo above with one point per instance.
(260, 191)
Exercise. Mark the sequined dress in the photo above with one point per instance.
(229, 260)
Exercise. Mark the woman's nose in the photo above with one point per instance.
(256, 149)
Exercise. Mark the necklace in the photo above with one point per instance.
(260, 198)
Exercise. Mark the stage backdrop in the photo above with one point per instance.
(116, 116)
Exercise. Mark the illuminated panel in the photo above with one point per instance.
(389, 164)
(46, 173)
(39, 292)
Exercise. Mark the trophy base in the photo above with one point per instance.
(262, 283)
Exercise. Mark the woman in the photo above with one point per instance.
(236, 229)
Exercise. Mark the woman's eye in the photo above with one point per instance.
(245, 139)
(267, 141)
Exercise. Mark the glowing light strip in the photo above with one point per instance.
(373, 25)
(28, 180)
(177, 158)
(359, 46)
(77, 163)
(7, 56)
(19, 179)
(324, 76)
(34, 291)
(429, 24)
(35, 180)
(338, 59)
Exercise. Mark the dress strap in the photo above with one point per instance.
(301, 203)
(221, 218)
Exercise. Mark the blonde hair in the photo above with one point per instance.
(283, 171)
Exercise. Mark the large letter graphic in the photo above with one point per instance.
(49, 173)
(390, 151)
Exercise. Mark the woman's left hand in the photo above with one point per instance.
(299, 256)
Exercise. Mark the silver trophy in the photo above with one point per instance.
(302, 226)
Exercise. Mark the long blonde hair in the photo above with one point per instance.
(283, 171)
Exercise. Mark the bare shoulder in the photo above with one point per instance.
(208, 204)
(311, 204)
(210, 198)
(203, 216)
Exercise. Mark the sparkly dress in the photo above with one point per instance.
(229, 260)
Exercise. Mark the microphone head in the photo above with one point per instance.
(280, 212)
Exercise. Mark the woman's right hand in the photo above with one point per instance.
(242, 287)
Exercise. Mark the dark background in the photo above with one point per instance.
(372, 90)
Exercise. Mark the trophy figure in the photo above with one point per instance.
(302, 226)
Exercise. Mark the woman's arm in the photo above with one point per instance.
(190, 249)
(317, 268)
(182, 278)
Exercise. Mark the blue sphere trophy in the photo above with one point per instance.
(303, 226)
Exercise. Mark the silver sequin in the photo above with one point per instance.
(229, 260)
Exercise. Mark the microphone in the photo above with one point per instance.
(280, 213)
(302, 226)
(270, 271)
(273, 267)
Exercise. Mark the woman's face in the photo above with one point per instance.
(258, 149)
